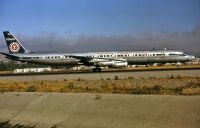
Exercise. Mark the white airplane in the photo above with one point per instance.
(98, 59)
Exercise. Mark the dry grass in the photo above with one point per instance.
(173, 85)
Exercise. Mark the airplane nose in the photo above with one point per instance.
(192, 57)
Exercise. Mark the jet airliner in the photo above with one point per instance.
(97, 59)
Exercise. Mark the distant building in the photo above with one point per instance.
(82, 67)
(2, 58)
(27, 70)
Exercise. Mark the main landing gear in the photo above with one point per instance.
(97, 69)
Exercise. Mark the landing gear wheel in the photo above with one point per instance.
(97, 69)
(94, 69)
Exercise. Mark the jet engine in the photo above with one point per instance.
(113, 64)
(120, 64)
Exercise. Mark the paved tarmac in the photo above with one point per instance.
(104, 75)
(78, 110)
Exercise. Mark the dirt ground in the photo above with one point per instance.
(82, 110)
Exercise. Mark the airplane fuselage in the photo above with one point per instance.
(106, 58)
(97, 59)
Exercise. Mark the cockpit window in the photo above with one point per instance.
(172, 54)
(183, 55)
(26, 58)
(178, 54)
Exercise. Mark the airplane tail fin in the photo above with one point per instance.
(14, 46)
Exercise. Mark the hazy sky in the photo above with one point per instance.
(103, 24)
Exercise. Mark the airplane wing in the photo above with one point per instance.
(86, 58)
(83, 59)
(97, 60)
(10, 56)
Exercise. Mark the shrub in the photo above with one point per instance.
(152, 77)
(130, 77)
(97, 97)
(116, 78)
(79, 79)
(136, 90)
(179, 76)
(70, 85)
(171, 76)
(157, 88)
(108, 79)
(178, 90)
(63, 89)
(146, 90)
(31, 88)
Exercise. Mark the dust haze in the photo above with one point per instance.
(188, 41)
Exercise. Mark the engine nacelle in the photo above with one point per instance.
(113, 63)
(106, 63)
(120, 64)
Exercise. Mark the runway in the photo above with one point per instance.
(104, 75)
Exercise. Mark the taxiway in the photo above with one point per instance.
(103, 75)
